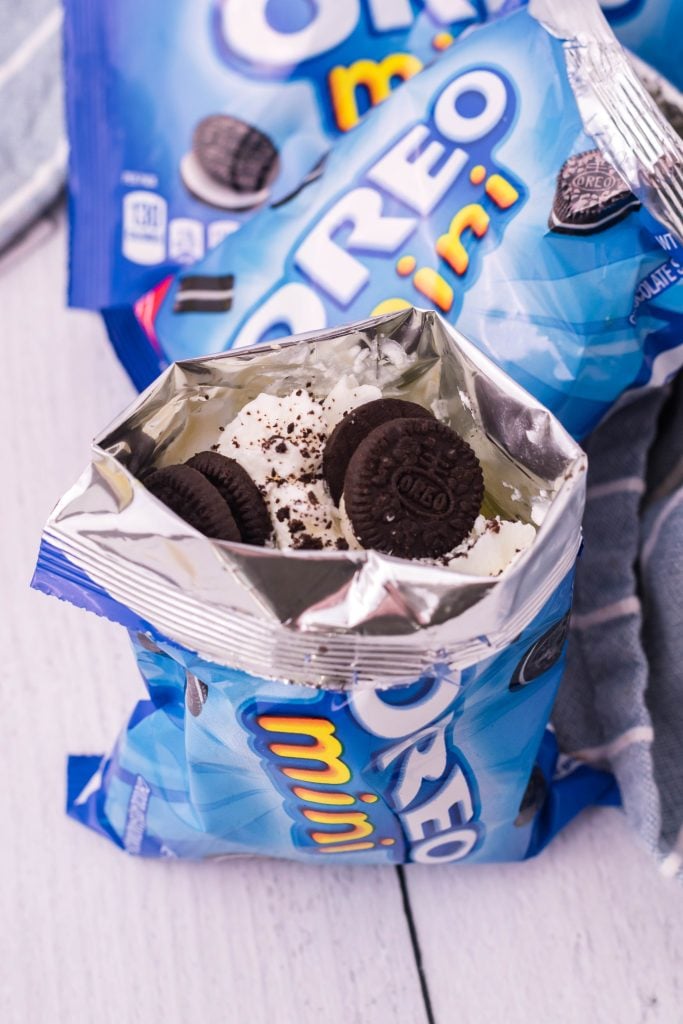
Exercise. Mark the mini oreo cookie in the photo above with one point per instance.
(354, 428)
(194, 499)
(239, 491)
(231, 165)
(204, 293)
(591, 195)
(413, 488)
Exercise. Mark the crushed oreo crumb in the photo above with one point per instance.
(308, 543)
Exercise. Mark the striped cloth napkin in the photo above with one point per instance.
(33, 149)
(621, 700)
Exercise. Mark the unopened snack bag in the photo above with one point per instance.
(187, 117)
(524, 185)
(345, 563)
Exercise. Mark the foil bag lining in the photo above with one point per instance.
(616, 109)
(326, 618)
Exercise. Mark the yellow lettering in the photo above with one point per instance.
(325, 748)
(359, 826)
(314, 796)
(501, 191)
(449, 246)
(376, 76)
(390, 306)
(434, 287)
(351, 848)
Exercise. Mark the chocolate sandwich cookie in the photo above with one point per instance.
(204, 293)
(239, 491)
(542, 655)
(591, 196)
(413, 488)
(231, 164)
(354, 428)
(196, 693)
(194, 499)
(533, 799)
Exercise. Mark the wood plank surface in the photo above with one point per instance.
(587, 933)
(86, 932)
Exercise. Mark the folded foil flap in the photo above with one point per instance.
(331, 618)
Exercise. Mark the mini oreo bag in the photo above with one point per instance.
(187, 117)
(329, 704)
(524, 185)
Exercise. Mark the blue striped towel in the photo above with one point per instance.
(621, 701)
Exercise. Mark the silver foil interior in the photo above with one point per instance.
(616, 109)
(326, 618)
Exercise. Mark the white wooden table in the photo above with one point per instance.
(588, 932)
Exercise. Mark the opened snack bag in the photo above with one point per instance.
(345, 563)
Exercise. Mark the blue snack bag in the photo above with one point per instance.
(323, 699)
(479, 191)
(652, 29)
(186, 118)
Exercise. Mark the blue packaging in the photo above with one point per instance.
(302, 703)
(141, 78)
(448, 195)
(218, 763)
(652, 29)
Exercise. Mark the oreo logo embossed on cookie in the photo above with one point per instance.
(413, 488)
(231, 164)
(354, 428)
(591, 195)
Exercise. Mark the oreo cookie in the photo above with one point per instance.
(194, 499)
(204, 293)
(413, 488)
(591, 196)
(239, 491)
(533, 799)
(354, 428)
(542, 655)
(196, 693)
(231, 164)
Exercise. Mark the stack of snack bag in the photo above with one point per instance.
(346, 560)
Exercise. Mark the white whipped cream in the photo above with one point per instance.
(492, 546)
(280, 443)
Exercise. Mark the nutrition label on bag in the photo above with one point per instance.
(145, 215)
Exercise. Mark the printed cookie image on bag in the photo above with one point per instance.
(216, 109)
(480, 191)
